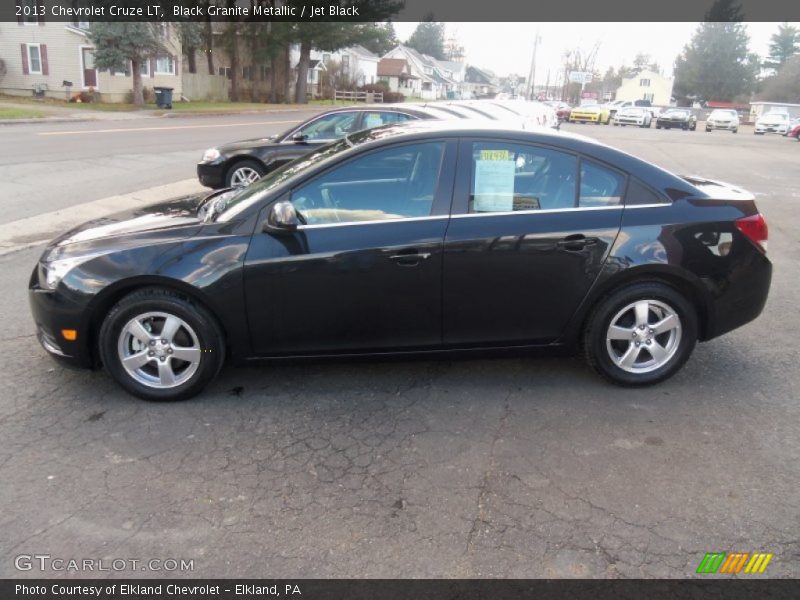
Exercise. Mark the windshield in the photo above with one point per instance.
(676, 113)
(776, 116)
(230, 206)
(724, 114)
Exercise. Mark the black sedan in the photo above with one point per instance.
(425, 237)
(680, 118)
(238, 164)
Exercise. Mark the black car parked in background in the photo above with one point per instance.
(238, 164)
(677, 117)
(423, 237)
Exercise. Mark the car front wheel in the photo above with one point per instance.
(159, 345)
(641, 334)
(244, 173)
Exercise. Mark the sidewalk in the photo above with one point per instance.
(60, 114)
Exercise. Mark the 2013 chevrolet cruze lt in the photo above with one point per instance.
(422, 237)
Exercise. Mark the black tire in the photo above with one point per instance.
(594, 339)
(243, 164)
(735, 131)
(208, 332)
(659, 126)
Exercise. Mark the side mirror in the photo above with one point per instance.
(282, 217)
(299, 137)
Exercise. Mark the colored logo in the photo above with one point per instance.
(734, 562)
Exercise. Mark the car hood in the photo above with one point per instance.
(166, 221)
(589, 109)
(233, 147)
(772, 120)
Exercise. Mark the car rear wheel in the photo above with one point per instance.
(641, 334)
(244, 173)
(159, 345)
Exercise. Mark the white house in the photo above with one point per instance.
(436, 78)
(40, 57)
(358, 63)
(646, 85)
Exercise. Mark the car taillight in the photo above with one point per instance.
(755, 229)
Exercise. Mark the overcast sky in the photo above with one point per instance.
(506, 48)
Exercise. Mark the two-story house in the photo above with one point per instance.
(41, 58)
(436, 78)
(646, 85)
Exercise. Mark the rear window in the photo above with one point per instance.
(639, 194)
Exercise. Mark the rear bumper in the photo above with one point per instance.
(742, 299)
(211, 174)
(51, 314)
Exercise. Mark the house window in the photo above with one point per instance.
(34, 59)
(345, 63)
(247, 73)
(644, 83)
(165, 65)
(326, 58)
(225, 72)
(144, 68)
(649, 97)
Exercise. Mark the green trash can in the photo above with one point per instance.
(163, 97)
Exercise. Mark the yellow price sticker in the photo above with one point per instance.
(494, 155)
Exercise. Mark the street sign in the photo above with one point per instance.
(580, 77)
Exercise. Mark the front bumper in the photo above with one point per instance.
(211, 174)
(584, 118)
(629, 121)
(782, 129)
(52, 313)
(729, 126)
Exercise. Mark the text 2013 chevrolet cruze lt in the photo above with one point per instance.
(423, 237)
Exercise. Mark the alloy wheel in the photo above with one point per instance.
(643, 336)
(244, 176)
(159, 350)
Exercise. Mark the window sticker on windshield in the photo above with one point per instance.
(373, 120)
(494, 183)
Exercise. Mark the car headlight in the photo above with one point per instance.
(52, 272)
(211, 155)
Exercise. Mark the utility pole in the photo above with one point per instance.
(531, 88)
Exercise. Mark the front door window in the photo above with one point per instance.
(396, 183)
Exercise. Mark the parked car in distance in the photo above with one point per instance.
(723, 118)
(429, 236)
(615, 107)
(534, 113)
(562, 109)
(238, 164)
(794, 132)
(589, 113)
(772, 122)
(633, 115)
(681, 118)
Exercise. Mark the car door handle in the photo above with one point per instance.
(576, 242)
(409, 258)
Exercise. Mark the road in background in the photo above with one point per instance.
(508, 467)
(49, 166)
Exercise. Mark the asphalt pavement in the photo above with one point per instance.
(507, 467)
(50, 166)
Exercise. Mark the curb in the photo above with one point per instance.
(32, 231)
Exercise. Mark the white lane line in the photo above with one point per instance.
(166, 128)
(32, 231)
